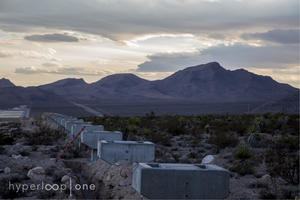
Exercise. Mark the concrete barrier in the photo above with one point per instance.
(54, 119)
(131, 151)
(69, 124)
(77, 126)
(90, 138)
(62, 121)
(180, 181)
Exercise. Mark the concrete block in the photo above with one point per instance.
(63, 120)
(88, 127)
(180, 181)
(67, 121)
(94, 156)
(90, 138)
(68, 124)
(131, 151)
(54, 119)
(77, 126)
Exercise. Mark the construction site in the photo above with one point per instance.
(58, 156)
(109, 147)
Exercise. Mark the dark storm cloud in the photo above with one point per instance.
(233, 56)
(56, 37)
(122, 19)
(291, 36)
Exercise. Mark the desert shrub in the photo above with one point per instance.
(71, 152)
(43, 136)
(290, 192)
(257, 125)
(267, 194)
(158, 153)
(240, 124)
(176, 157)
(292, 125)
(161, 138)
(243, 168)
(136, 121)
(220, 125)
(131, 132)
(150, 115)
(223, 140)
(176, 129)
(284, 164)
(283, 159)
(145, 132)
(6, 139)
(289, 142)
(173, 124)
(192, 155)
(24, 153)
(195, 142)
(240, 128)
(243, 152)
(34, 147)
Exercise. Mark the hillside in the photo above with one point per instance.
(202, 84)
(206, 88)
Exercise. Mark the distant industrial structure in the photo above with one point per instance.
(152, 180)
(15, 114)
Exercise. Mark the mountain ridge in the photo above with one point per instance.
(134, 75)
(4, 83)
(205, 83)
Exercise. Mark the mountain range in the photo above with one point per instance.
(208, 84)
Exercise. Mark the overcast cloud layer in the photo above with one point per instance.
(56, 37)
(289, 36)
(41, 39)
(232, 56)
(124, 18)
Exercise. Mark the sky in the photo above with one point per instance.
(42, 41)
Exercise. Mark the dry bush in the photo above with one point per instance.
(223, 139)
(43, 136)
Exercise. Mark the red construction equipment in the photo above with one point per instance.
(69, 143)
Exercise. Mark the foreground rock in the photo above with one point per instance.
(112, 181)
(36, 174)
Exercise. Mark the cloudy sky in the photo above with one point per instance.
(46, 40)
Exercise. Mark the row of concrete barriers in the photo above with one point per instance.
(152, 180)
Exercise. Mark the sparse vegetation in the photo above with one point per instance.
(243, 152)
(251, 139)
(6, 139)
(267, 194)
(263, 147)
(43, 136)
(243, 167)
(223, 140)
(284, 164)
